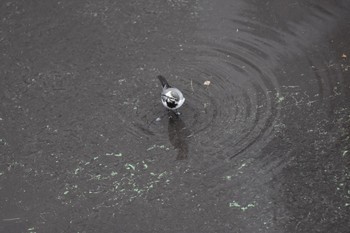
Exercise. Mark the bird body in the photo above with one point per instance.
(172, 98)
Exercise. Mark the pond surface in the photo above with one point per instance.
(86, 145)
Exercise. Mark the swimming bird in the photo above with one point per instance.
(172, 98)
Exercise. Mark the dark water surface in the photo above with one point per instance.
(86, 145)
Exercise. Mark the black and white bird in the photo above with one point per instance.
(172, 98)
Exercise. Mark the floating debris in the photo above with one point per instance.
(114, 173)
(238, 206)
(344, 56)
(121, 81)
(234, 204)
(77, 170)
(151, 148)
(129, 166)
(242, 166)
(10, 219)
(279, 97)
(157, 146)
(145, 166)
(114, 154)
(206, 83)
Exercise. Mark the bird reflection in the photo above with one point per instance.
(178, 135)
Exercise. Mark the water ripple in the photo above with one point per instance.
(240, 111)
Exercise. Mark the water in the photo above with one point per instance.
(87, 146)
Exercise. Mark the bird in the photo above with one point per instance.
(171, 97)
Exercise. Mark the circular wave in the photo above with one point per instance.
(239, 111)
(234, 112)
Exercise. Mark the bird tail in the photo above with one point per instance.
(163, 81)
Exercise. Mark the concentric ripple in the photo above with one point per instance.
(238, 107)
(244, 59)
(236, 111)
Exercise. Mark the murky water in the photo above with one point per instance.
(86, 145)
